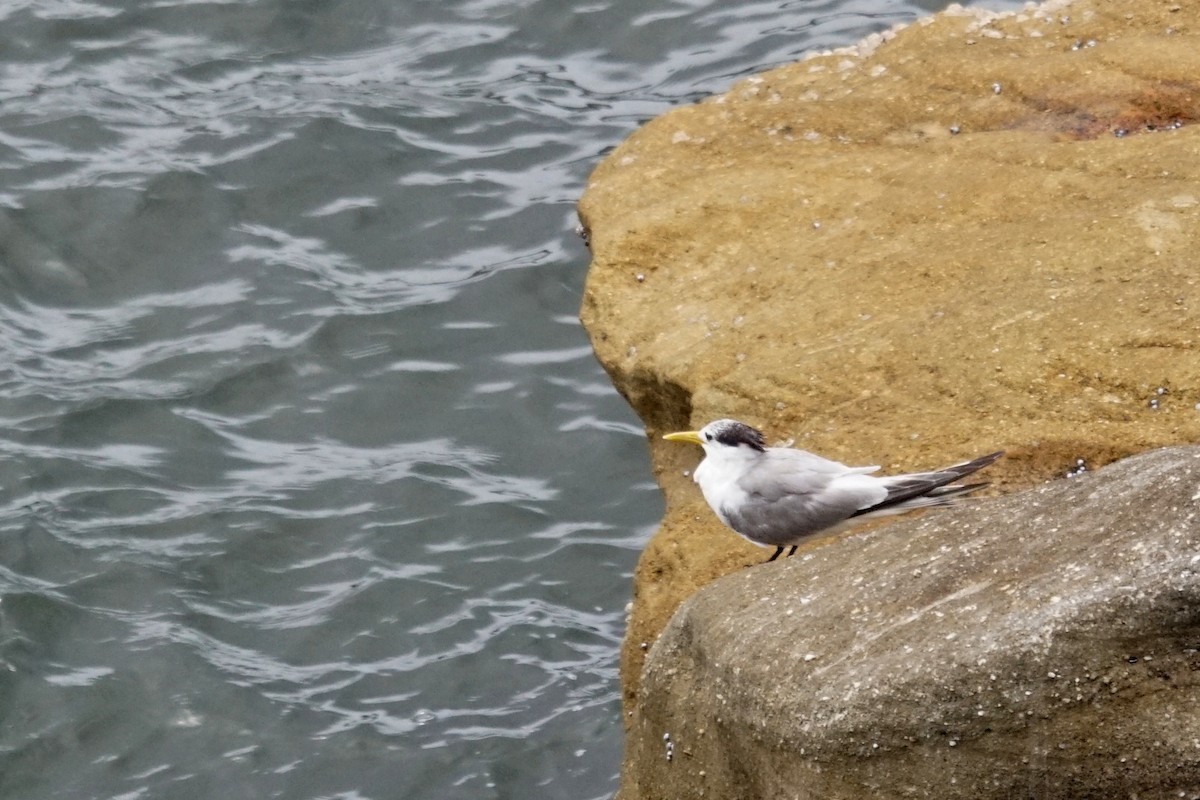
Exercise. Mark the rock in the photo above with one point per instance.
(818, 253)
(1043, 644)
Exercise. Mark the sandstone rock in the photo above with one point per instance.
(817, 252)
(1044, 644)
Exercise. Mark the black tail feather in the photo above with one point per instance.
(933, 484)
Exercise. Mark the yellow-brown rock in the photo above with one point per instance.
(977, 232)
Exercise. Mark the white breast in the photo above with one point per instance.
(717, 477)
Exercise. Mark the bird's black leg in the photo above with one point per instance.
(792, 552)
(778, 550)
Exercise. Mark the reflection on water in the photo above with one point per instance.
(310, 485)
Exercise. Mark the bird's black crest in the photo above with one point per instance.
(732, 433)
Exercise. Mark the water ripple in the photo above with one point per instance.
(311, 485)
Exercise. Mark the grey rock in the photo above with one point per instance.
(1039, 645)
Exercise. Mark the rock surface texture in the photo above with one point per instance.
(1039, 645)
(977, 232)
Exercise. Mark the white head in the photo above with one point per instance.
(724, 437)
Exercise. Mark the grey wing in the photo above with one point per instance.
(793, 494)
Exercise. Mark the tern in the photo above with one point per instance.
(779, 496)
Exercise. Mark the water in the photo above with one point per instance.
(310, 485)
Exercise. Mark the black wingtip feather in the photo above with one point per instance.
(935, 484)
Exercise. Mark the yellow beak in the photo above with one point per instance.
(685, 436)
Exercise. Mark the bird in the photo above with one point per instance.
(779, 496)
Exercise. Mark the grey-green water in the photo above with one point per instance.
(310, 485)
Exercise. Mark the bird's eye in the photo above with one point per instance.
(708, 436)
